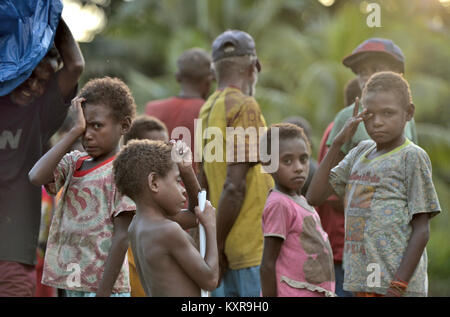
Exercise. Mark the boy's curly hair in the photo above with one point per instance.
(286, 131)
(144, 124)
(390, 81)
(136, 161)
(111, 92)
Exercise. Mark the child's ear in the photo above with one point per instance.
(152, 182)
(410, 111)
(126, 125)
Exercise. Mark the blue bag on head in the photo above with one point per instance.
(27, 31)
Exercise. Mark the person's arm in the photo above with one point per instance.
(117, 252)
(416, 245)
(229, 207)
(42, 171)
(184, 218)
(205, 272)
(319, 188)
(72, 57)
(272, 247)
(202, 179)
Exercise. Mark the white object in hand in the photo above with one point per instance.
(202, 235)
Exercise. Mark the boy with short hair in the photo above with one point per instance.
(388, 192)
(88, 235)
(147, 127)
(371, 56)
(166, 257)
(150, 128)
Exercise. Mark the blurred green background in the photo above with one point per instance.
(301, 44)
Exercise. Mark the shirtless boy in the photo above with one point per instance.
(167, 260)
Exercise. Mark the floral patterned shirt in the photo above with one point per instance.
(82, 227)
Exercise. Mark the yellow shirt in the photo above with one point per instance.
(231, 108)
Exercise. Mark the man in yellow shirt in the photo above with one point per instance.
(231, 170)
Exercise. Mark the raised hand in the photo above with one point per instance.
(349, 129)
(76, 111)
(181, 153)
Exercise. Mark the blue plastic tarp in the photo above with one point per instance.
(27, 31)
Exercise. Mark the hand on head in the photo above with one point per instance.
(76, 111)
(181, 153)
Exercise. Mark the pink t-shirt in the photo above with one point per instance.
(304, 266)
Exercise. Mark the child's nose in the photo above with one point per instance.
(298, 167)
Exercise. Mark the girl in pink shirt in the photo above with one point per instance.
(297, 259)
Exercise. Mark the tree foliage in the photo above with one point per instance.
(301, 44)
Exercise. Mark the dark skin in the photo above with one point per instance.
(385, 119)
(289, 179)
(68, 76)
(370, 65)
(192, 87)
(101, 134)
(234, 188)
(230, 204)
(172, 266)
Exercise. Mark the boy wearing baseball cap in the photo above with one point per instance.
(372, 56)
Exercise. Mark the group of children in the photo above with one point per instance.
(112, 197)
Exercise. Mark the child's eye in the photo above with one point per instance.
(304, 159)
(287, 161)
(97, 126)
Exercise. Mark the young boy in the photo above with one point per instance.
(88, 236)
(371, 56)
(166, 258)
(150, 128)
(147, 127)
(388, 193)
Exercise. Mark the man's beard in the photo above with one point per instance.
(251, 88)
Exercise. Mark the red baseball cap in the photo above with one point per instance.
(376, 46)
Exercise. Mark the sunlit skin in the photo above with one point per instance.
(386, 120)
(166, 257)
(171, 197)
(34, 86)
(293, 167)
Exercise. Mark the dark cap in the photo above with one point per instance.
(376, 46)
(194, 62)
(233, 43)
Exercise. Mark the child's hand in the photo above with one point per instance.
(351, 125)
(76, 111)
(181, 154)
(208, 217)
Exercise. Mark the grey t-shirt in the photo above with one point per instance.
(381, 196)
(23, 133)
